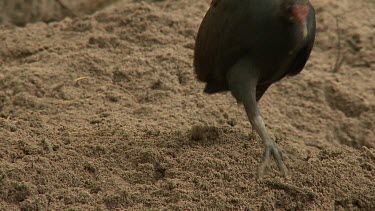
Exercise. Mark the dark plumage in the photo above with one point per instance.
(244, 46)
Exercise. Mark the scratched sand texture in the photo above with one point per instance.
(103, 112)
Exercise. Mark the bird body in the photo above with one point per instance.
(259, 29)
(244, 46)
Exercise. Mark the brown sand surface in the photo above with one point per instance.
(21, 12)
(103, 112)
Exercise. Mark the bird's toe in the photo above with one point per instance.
(276, 153)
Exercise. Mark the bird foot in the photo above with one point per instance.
(272, 149)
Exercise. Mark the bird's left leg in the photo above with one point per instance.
(242, 80)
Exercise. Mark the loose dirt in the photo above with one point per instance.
(103, 112)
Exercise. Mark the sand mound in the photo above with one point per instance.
(21, 12)
(103, 112)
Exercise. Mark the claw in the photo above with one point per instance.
(275, 152)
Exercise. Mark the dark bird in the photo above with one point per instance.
(244, 46)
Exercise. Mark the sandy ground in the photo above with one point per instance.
(21, 12)
(97, 113)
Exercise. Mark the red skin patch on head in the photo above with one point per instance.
(300, 12)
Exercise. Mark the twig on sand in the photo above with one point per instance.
(125, 90)
(81, 78)
(291, 189)
(58, 86)
(68, 10)
(340, 58)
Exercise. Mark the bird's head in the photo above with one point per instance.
(296, 11)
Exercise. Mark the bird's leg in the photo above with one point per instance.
(271, 147)
(242, 80)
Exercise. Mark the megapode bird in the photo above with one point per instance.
(244, 46)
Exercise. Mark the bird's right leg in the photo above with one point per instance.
(242, 80)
